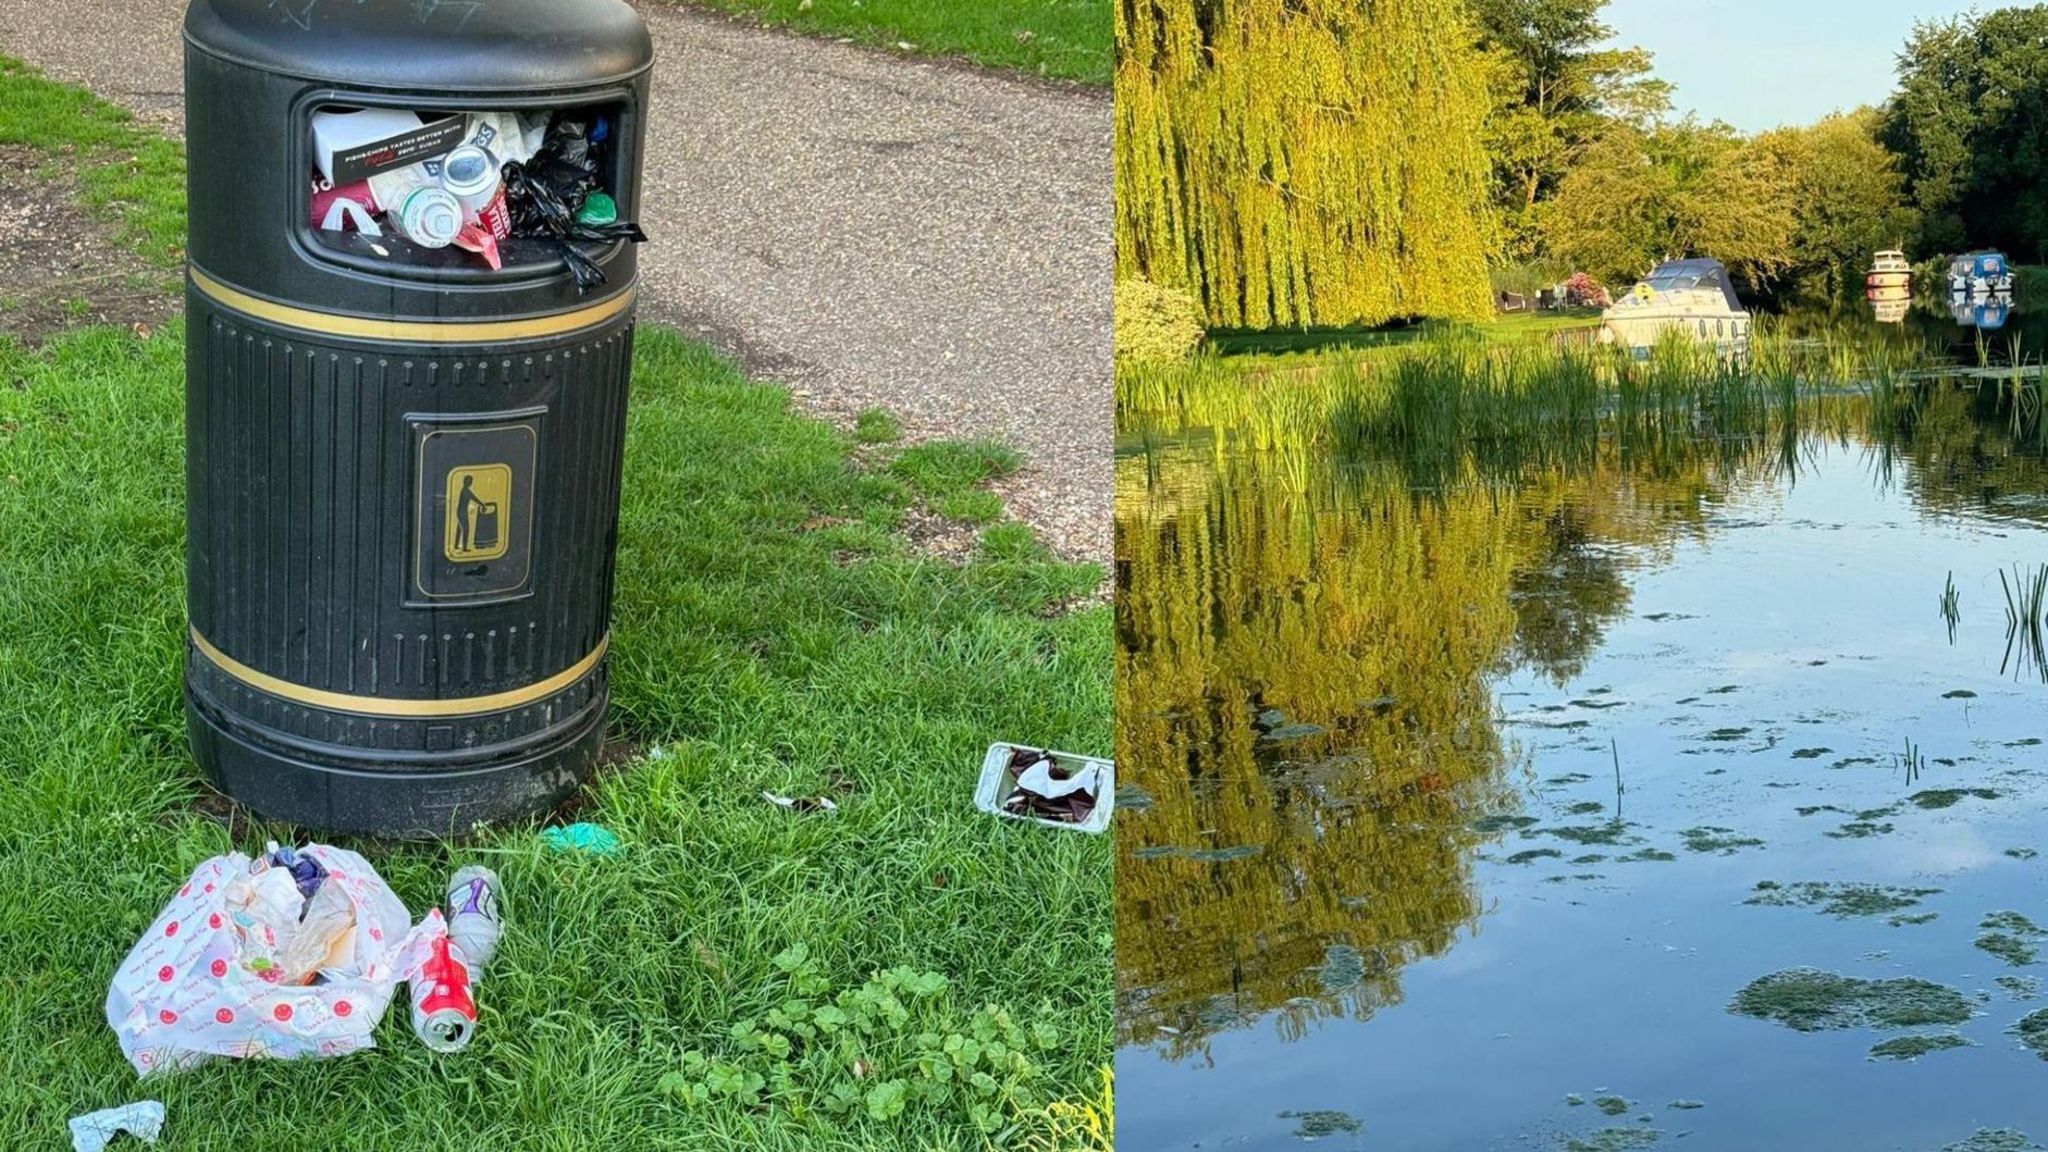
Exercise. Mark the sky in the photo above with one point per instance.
(1762, 63)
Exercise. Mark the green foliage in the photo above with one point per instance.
(1556, 86)
(1154, 324)
(1640, 195)
(1304, 162)
(1848, 201)
(1973, 92)
(895, 1043)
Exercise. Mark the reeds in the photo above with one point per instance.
(2025, 597)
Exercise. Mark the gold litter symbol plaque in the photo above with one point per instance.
(479, 503)
(476, 484)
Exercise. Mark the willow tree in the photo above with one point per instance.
(1304, 162)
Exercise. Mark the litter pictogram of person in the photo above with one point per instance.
(476, 499)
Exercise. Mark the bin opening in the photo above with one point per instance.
(448, 191)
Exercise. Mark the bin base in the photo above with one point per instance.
(430, 797)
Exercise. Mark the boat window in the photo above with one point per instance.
(1718, 331)
(1703, 327)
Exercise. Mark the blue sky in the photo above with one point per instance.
(1761, 63)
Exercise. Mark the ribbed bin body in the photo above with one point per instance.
(402, 481)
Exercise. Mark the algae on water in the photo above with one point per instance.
(1609, 833)
(1948, 797)
(2019, 987)
(2011, 937)
(1995, 1140)
(1917, 1045)
(1318, 1123)
(1810, 1000)
(1612, 1105)
(1841, 900)
(1721, 840)
(1613, 1140)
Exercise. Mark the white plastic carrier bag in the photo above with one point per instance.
(294, 953)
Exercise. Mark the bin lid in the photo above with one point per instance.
(509, 46)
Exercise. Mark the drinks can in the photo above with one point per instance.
(471, 174)
(443, 1014)
(429, 217)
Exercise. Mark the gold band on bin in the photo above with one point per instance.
(385, 706)
(411, 331)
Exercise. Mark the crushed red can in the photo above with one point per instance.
(443, 1011)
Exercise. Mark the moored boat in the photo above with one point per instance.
(1890, 276)
(1694, 298)
(1979, 273)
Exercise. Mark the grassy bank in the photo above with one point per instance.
(1440, 395)
(1060, 39)
(774, 631)
(1284, 345)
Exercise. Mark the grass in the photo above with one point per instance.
(127, 175)
(773, 631)
(1059, 39)
(755, 654)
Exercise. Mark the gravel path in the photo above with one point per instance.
(863, 228)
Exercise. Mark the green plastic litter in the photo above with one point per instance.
(593, 839)
(598, 208)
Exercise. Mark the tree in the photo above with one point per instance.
(1556, 91)
(1640, 195)
(1303, 162)
(1848, 200)
(1968, 121)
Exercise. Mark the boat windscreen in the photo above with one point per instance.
(1679, 275)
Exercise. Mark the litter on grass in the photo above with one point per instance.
(92, 1131)
(590, 839)
(1057, 789)
(801, 803)
(294, 953)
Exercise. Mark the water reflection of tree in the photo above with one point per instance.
(1366, 613)
(1965, 451)
(1262, 591)
(1565, 598)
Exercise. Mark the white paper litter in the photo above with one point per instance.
(92, 1131)
(1039, 778)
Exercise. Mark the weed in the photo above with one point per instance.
(1839, 900)
(876, 426)
(1917, 1045)
(1318, 1123)
(1810, 1000)
(1723, 841)
(897, 1042)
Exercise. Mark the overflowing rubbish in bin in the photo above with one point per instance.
(475, 181)
(297, 952)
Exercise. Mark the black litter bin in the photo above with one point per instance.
(402, 464)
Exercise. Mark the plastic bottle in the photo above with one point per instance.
(473, 924)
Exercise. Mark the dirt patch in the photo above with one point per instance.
(59, 268)
(938, 537)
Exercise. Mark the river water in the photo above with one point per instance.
(1620, 800)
